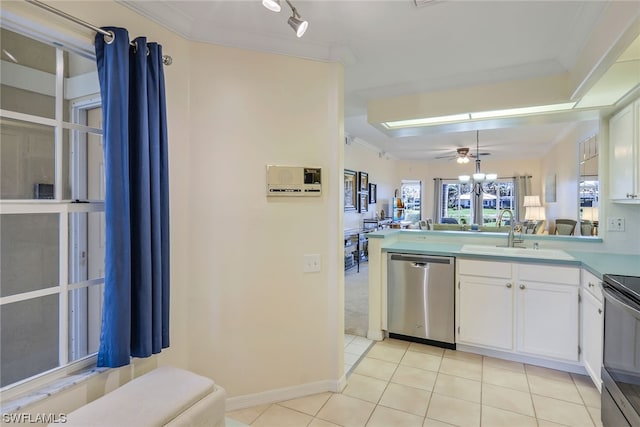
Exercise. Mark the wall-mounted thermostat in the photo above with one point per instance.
(294, 181)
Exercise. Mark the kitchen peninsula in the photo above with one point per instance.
(518, 304)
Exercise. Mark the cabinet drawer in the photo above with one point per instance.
(484, 268)
(549, 274)
(591, 284)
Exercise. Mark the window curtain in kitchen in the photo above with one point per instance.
(522, 188)
(135, 317)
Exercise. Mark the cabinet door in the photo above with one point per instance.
(592, 332)
(485, 309)
(547, 321)
(622, 161)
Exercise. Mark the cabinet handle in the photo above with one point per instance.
(521, 286)
(508, 285)
(599, 311)
(591, 285)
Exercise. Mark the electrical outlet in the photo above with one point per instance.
(615, 224)
(311, 263)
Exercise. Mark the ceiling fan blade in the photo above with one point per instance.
(481, 154)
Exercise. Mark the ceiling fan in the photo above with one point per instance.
(462, 155)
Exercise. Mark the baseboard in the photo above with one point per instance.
(375, 335)
(286, 393)
(573, 367)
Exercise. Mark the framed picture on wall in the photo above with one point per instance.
(372, 194)
(364, 202)
(350, 190)
(363, 182)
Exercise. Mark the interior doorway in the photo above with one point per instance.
(356, 300)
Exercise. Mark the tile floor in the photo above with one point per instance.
(401, 384)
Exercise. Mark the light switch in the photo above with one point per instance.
(311, 263)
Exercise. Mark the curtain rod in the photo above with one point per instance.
(166, 59)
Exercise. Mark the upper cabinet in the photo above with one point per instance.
(624, 157)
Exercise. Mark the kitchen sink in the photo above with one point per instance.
(516, 252)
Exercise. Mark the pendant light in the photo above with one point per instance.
(478, 176)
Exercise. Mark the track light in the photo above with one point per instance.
(273, 5)
(295, 20)
(298, 25)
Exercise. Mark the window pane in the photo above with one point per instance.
(86, 246)
(85, 168)
(458, 203)
(27, 75)
(29, 252)
(81, 86)
(27, 153)
(85, 318)
(28, 338)
(411, 191)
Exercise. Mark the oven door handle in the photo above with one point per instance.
(621, 301)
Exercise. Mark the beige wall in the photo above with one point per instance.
(257, 322)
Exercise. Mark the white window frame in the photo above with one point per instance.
(63, 208)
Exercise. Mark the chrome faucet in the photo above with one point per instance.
(502, 212)
(510, 237)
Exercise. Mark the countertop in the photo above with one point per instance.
(598, 263)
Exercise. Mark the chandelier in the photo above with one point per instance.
(478, 177)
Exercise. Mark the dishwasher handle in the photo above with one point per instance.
(421, 259)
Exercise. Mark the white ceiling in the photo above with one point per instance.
(392, 48)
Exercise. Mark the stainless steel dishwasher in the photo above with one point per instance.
(420, 298)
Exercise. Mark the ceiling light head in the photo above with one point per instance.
(298, 25)
(464, 178)
(479, 176)
(272, 5)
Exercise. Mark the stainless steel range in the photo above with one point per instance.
(621, 359)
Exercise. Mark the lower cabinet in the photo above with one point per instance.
(486, 312)
(592, 326)
(547, 320)
(519, 307)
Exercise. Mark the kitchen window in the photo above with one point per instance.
(51, 208)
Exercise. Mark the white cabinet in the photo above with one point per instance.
(485, 304)
(486, 312)
(624, 155)
(519, 307)
(547, 320)
(592, 326)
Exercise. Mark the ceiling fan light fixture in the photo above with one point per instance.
(272, 5)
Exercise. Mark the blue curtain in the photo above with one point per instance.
(135, 318)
